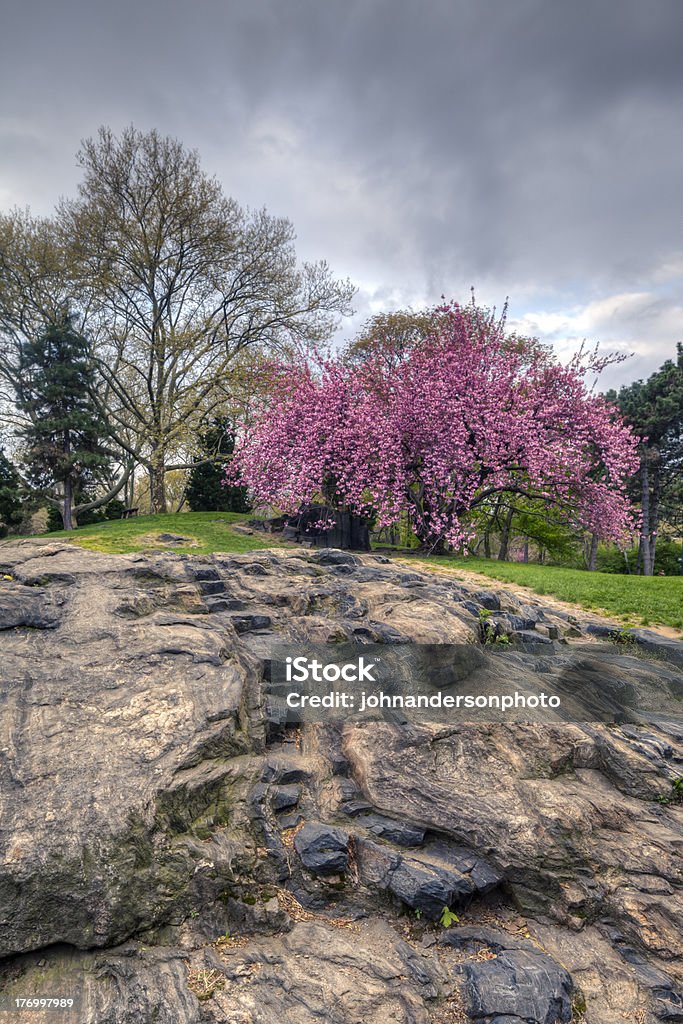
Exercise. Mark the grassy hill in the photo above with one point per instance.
(640, 600)
(205, 532)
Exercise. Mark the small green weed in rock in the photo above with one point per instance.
(622, 636)
(489, 632)
(675, 796)
(448, 918)
(579, 1008)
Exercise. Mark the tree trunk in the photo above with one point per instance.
(593, 556)
(654, 510)
(644, 553)
(67, 515)
(129, 496)
(157, 485)
(67, 518)
(505, 536)
(433, 547)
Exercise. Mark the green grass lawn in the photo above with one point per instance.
(206, 532)
(640, 600)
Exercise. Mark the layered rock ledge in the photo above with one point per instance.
(168, 855)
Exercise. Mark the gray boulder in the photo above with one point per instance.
(520, 986)
(323, 849)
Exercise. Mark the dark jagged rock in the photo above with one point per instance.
(397, 832)
(428, 888)
(246, 623)
(323, 849)
(519, 985)
(517, 623)
(221, 604)
(426, 881)
(284, 797)
(206, 575)
(526, 636)
(601, 629)
(211, 587)
(333, 557)
(283, 771)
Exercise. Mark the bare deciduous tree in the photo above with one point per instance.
(183, 280)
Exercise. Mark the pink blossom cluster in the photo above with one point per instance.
(470, 412)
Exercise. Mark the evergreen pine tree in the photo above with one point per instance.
(10, 495)
(63, 449)
(205, 490)
(655, 409)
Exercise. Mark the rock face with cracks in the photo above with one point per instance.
(168, 855)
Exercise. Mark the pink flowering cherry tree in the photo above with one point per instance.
(470, 412)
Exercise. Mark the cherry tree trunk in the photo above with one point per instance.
(505, 537)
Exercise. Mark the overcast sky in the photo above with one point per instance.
(531, 148)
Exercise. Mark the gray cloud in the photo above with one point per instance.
(531, 149)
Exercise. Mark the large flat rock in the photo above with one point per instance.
(147, 807)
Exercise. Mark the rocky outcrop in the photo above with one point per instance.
(168, 855)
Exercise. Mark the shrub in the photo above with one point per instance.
(114, 509)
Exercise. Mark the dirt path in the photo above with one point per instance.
(530, 596)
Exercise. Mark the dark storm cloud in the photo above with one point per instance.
(531, 148)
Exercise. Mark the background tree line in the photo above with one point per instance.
(134, 324)
(153, 291)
